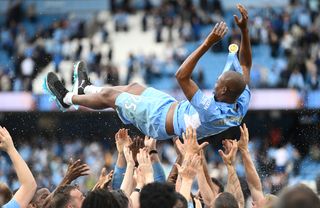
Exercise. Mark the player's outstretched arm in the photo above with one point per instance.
(245, 53)
(28, 184)
(183, 75)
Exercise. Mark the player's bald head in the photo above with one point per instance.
(229, 86)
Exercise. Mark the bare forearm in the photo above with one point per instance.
(23, 172)
(185, 188)
(121, 160)
(189, 64)
(245, 54)
(233, 185)
(28, 184)
(214, 188)
(253, 179)
(205, 189)
(126, 185)
(173, 175)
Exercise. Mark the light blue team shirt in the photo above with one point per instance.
(11, 204)
(209, 116)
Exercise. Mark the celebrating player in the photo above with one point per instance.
(159, 115)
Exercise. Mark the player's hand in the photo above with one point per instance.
(230, 153)
(217, 33)
(128, 155)
(75, 170)
(190, 166)
(6, 143)
(190, 143)
(243, 21)
(150, 143)
(122, 139)
(244, 139)
(104, 179)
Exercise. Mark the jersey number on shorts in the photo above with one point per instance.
(133, 104)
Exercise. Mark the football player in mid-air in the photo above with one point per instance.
(158, 114)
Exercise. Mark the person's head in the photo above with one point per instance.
(269, 201)
(39, 198)
(298, 196)
(67, 196)
(157, 195)
(229, 87)
(100, 198)
(225, 200)
(181, 202)
(5, 194)
(121, 198)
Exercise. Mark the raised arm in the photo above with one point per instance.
(122, 139)
(245, 54)
(206, 192)
(75, 170)
(28, 184)
(233, 184)
(183, 75)
(158, 172)
(253, 179)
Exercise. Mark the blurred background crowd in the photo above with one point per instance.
(146, 42)
(149, 42)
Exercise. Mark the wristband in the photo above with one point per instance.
(153, 152)
(137, 190)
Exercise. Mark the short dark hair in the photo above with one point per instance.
(5, 193)
(298, 196)
(219, 184)
(61, 196)
(226, 200)
(181, 200)
(100, 198)
(121, 197)
(157, 195)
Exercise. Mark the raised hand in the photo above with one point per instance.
(75, 170)
(128, 155)
(229, 156)
(243, 21)
(104, 179)
(145, 165)
(122, 139)
(244, 139)
(150, 143)
(190, 167)
(178, 146)
(217, 33)
(6, 143)
(190, 144)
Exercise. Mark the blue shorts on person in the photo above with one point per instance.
(147, 111)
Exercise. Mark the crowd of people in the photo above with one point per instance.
(291, 34)
(147, 174)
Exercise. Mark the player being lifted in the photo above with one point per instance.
(158, 114)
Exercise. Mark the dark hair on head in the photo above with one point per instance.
(121, 198)
(5, 193)
(157, 195)
(226, 200)
(219, 184)
(61, 196)
(181, 201)
(100, 198)
(298, 196)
